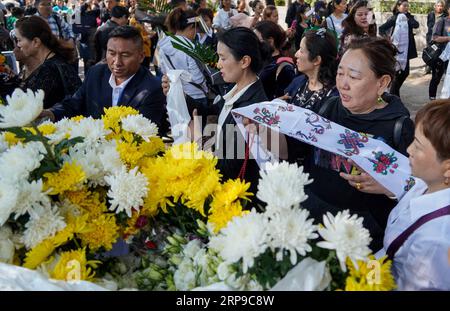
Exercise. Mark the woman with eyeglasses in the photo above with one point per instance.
(183, 24)
(400, 28)
(47, 61)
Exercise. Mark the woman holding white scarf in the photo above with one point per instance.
(401, 35)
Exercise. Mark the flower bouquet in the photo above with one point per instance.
(104, 200)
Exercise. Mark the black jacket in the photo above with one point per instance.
(431, 21)
(143, 93)
(101, 39)
(388, 28)
(329, 192)
(291, 13)
(230, 163)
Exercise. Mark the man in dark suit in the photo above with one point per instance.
(120, 82)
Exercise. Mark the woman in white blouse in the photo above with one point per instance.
(222, 19)
(184, 25)
(334, 21)
(417, 236)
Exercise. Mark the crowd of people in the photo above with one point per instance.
(332, 58)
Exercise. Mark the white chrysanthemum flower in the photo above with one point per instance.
(346, 235)
(289, 230)
(140, 125)
(8, 200)
(88, 159)
(30, 196)
(62, 131)
(92, 130)
(7, 248)
(110, 157)
(22, 108)
(127, 191)
(244, 238)
(282, 185)
(18, 161)
(44, 222)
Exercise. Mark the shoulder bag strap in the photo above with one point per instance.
(398, 242)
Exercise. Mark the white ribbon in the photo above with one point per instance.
(176, 106)
(386, 165)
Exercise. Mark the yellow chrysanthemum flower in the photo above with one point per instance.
(77, 118)
(104, 232)
(226, 204)
(129, 153)
(73, 265)
(77, 225)
(11, 139)
(68, 178)
(47, 128)
(219, 218)
(88, 201)
(374, 275)
(39, 254)
(151, 148)
(230, 191)
(112, 116)
(183, 173)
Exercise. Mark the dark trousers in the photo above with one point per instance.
(436, 75)
(399, 78)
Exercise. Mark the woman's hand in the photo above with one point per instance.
(290, 32)
(285, 97)
(165, 84)
(365, 183)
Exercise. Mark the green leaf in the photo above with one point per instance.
(25, 134)
(66, 144)
(47, 166)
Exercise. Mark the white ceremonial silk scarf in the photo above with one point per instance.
(387, 166)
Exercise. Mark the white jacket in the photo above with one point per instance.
(181, 61)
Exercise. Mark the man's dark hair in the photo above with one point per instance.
(119, 12)
(127, 32)
(17, 12)
(176, 3)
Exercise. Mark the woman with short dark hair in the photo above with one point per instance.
(241, 56)
(418, 228)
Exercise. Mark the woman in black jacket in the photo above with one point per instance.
(364, 72)
(241, 57)
(401, 6)
(48, 60)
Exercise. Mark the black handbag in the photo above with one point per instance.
(430, 54)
